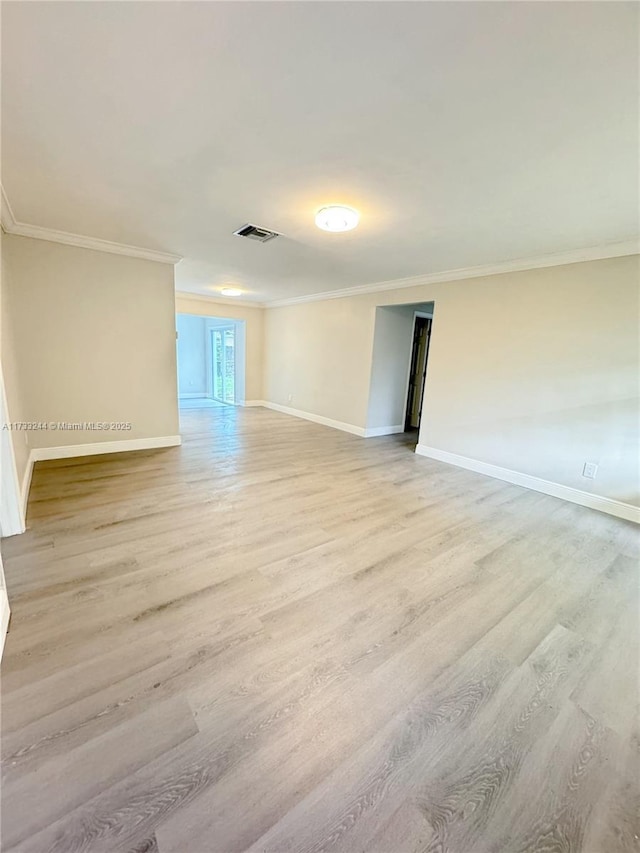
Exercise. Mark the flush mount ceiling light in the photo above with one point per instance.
(337, 218)
(231, 291)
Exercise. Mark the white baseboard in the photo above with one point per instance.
(249, 403)
(316, 419)
(320, 419)
(567, 493)
(40, 454)
(373, 432)
(70, 450)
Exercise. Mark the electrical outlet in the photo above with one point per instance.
(590, 470)
(290, 398)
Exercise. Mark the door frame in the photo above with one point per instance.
(12, 519)
(222, 328)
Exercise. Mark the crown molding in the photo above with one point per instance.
(592, 253)
(10, 225)
(196, 297)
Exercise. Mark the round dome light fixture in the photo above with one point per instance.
(335, 217)
(231, 291)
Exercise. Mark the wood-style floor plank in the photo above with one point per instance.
(279, 637)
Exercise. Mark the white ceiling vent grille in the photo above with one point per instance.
(254, 232)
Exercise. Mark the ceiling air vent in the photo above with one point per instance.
(254, 232)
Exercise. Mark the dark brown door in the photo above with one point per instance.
(418, 372)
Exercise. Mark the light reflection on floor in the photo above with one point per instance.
(200, 403)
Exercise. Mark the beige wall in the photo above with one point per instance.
(533, 371)
(556, 375)
(318, 357)
(93, 339)
(253, 318)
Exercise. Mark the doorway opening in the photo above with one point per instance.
(223, 364)
(417, 372)
(211, 361)
(398, 365)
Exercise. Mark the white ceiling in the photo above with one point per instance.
(465, 133)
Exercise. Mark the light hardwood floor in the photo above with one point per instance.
(280, 637)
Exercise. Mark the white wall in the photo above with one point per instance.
(11, 510)
(13, 391)
(195, 355)
(249, 339)
(93, 340)
(192, 355)
(533, 371)
(11, 520)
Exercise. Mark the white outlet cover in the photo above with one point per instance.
(590, 470)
